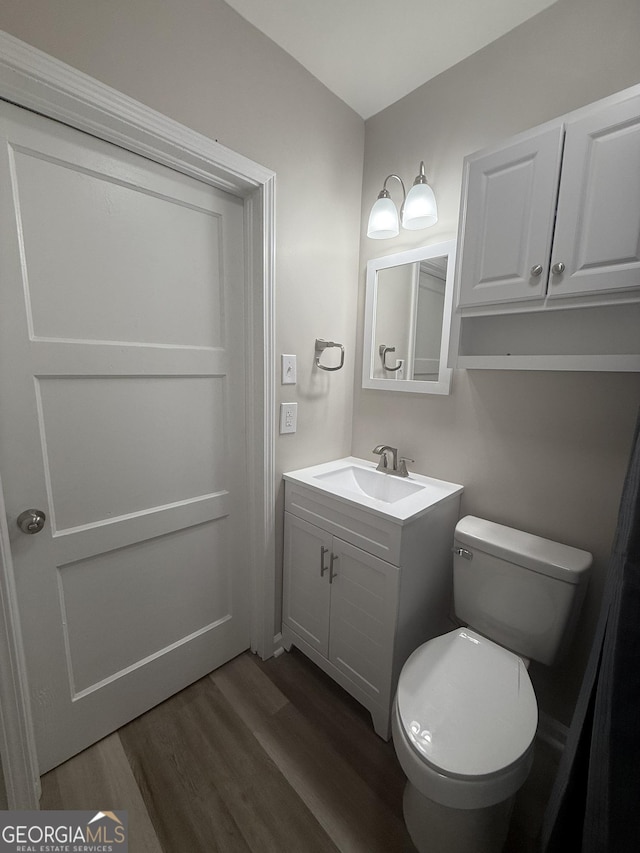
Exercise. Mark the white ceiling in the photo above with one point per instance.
(372, 52)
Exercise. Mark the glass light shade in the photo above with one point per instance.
(383, 220)
(420, 209)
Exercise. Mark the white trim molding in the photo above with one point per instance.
(552, 731)
(38, 82)
(17, 744)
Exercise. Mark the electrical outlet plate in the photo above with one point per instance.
(288, 417)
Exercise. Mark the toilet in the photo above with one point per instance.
(465, 713)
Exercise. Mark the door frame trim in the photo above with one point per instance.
(31, 79)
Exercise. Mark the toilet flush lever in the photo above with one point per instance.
(462, 552)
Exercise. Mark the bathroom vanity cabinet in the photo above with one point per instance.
(548, 272)
(362, 591)
(341, 602)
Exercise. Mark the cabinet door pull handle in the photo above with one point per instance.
(536, 270)
(558, 269)
(332, 573)
(323, 568)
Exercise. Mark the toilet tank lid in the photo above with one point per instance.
(531, 552)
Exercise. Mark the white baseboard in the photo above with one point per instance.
(278, 648)
(551, 731)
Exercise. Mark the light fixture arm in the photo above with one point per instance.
(384, 192)
(421, 178)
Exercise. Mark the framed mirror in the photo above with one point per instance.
(407, 320)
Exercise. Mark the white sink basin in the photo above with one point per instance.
(371, 483)
(357, 482)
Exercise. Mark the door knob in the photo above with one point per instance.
(31, 520)
(558, 269)
(536, 270)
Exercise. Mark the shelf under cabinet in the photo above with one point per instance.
(591, 338)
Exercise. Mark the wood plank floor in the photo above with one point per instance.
(256, 757)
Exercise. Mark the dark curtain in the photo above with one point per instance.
(595, 803)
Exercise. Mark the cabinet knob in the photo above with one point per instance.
(536, 270)
(558, 269)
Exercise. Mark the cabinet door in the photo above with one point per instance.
(364, 603)
(307, 550)
(508, 220)
(597, 234)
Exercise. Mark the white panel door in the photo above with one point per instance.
(364, 611)
(597, 235)
(306, 588)
(508, 224)
(122, 418)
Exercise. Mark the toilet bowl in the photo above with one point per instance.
(465, 712)
(464, 720)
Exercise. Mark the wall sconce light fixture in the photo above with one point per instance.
(418, 210)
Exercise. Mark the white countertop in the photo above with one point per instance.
(336, 478)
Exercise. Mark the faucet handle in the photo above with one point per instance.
(381, 450)
(402, 466)
(384, 462)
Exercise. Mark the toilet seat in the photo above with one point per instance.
(465, 717)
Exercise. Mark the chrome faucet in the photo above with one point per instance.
(383, 464)
(397, 469)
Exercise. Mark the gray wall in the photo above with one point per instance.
(545, 452)
(200, 63)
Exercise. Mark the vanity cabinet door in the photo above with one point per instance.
(510, 199)
(364, 604)
(306, 593)
(597, 235)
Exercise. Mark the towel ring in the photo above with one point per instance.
(321, 346)
(383, 350)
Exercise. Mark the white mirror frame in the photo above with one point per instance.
(415, 386)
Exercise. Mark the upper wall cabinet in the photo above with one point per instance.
(596, 243)
(511, 195)
(548, 273)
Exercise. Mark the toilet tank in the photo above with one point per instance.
(520, 590)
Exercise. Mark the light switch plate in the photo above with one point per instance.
(289, 369)
(288, 417)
